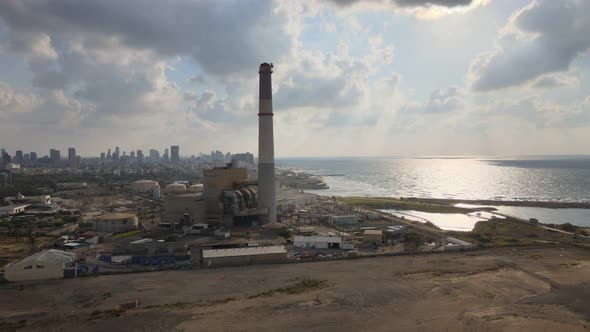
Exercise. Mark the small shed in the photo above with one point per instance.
(373, 236)
(48, 264)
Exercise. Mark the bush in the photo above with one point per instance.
(568, 227)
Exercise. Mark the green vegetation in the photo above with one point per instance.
(130, 233)
(400, 204)
(512, 232)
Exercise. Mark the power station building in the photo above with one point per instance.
(230, 198)
(185, 209)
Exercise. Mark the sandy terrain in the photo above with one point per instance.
(510, 289)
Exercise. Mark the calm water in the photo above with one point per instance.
(531, 179)
(446, 221)
(528, 179)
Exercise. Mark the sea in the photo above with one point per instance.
(537, 178)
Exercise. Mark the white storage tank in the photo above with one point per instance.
(176, 188)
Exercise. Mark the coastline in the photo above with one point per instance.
(540, 204)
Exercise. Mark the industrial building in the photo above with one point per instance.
(150, 248)
(144, 185)
(186, 209)
(175, 188)
(229, 197)
(373, 236)
(13, 209)
(116, 222)
(244, 256)
(318, 241)
(48, 264)
(343, 220)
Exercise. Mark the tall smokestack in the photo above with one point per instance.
(266, 150)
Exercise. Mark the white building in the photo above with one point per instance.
(176, 188)
(319, 242)
(116, 222)
(48, 264)
(13, 209)
(144, 185)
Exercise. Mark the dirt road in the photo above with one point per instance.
(541, 289)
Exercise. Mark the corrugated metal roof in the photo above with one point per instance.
(115, 216)
(373, 232)
(233, 252)
(51, 255)
(318, 239)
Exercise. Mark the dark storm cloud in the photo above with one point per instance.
(410, 3)
(545, 37)
(224, 37)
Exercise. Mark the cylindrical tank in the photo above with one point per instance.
(156, 192)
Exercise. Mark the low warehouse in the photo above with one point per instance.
(244, 256)
(318, 242)
(116, 222)
(343, 220)
(48, 264)
(373, 236)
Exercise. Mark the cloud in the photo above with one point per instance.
(12, 101)
(409, 3)
(222, 37)
(552, 81)
(424, 9)
(541, 38)
(440, 101)
(50, 108)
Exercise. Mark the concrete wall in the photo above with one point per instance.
(48, 271)
(176, 206)
(116, 226)
(245, 260)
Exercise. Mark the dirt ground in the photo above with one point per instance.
(506, 289)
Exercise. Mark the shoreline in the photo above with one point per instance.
(540, 204)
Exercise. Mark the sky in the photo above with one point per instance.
(351, 77)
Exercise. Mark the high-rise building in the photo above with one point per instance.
(33, 157)
(102, 156)
(124, 162)
(19, 158)
(116, 154)
(109, 156)
(72, 157)
(139, 156)
(2, 152)
(154, 154)
(166, 155)
(77, 162)
(175, 153)
(27, 158)
(55, 156)
(6, 159)
(132, 155)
